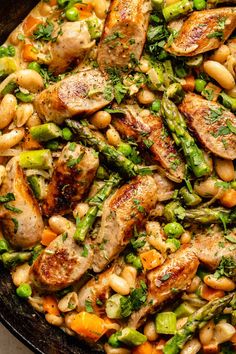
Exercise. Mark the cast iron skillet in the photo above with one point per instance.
(16, 315)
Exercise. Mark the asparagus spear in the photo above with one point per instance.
(10, 260)
(96, 203)
(41, 159)
(177, 9)
(45, 132)
(195, 321)
(113, 156)
(176, 123)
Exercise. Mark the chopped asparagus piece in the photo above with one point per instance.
(166, 323)
(38, 186)
(184, 310)
(113, 308)
(177, 9)
(45, 132)
(131, 337)
(228, 101)
(41, 159)
(190, 199)
(4, 247)
(175, 92)
(11, 260)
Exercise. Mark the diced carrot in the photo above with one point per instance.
(48, 236)
(211, 92)
(151, 259)
(53, 2)
(211, 348)
(189, 84)
(29, 52)
(228, 199)
(145, 348)
(50, 305)
(30, 24)
(30, 144)
(209, 294)
(88, 325)
(85, 10)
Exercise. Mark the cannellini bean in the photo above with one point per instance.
(11, 139)
(143, 65)
(219, 73)
(223, 332)
(80, 210)
(113, 137)
(69, 302)
(145, 96)
(196, 281)
(100, 8)
(186, 237)
(37, 303)
(207, 188)
(29, 79)
(150, 331)
(101, 119)
(221, 54)
(23, 112)
(21, 274)
(7, 110)
(2, 173)
(59, 224)
(110, 350)
(119, 285)
(222, 283)
(33, 120)
(206, 333)
(129, 273)
(54, 320)
(225, 169)
(191, 347)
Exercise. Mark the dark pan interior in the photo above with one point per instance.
(20, 319)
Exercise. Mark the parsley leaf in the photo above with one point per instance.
(12, 208)
(43, 32)
(227, 267)
(9, 197)
(88, 306)
(72, 162)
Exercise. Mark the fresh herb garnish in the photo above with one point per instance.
(44, 32)
(9, 197)
(88, 306)
(12, 208)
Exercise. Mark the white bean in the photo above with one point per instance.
(29, 79)
(223, 332)
(221, 54)
(20, 274)
(206, 333)
(144, 65)
(7, 110)
(101, 119)
(113, 137)
(191, 347)
(145, 96)
(11, 139)
(129, 273)
(219, 73)
(54, 320)
(59, 225)
(37, 303)
(225, 169)
(80, 210)
(119, 285)
(68, 302)
(196, 281)
(100, 8)
(111, 350)
(23, 112)
(207, 188)
(2, 173)
(150, 331)
(186, 237)
(33, 120)
(222, 283)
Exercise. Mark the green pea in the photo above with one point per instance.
(125, 149)
(72, 14)
(200, 85)
(67, 134)
(3, 246)
(173, 229)
(34, 66)
(156, 106)
(24, 291)
(199, 4)
(113, 340)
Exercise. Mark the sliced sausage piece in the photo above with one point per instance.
(127, 208)
(23, 228)
(124, 34)
(149, 131)
(61, 264)
(203, 31)
(212, 124)
(71, 179)
(163, 282)
(78, 94)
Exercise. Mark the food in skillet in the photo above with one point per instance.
(117, 171)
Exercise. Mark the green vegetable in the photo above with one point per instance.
(4, 247)
(228, 101)
(72, 14)
(200, 85)
(180, 71)
(34, 66)
(227, 267)
(196, 321)
(173, 211)
(111, 155)
(195, 61)
(67, 134)
(173, 229)
(125, 149)
(12, 259)
(45, 132)
(184, 310)
(199, 4)
(113, 340)
(38, 186)
(156, 106)
(175, 92)
(113, 307)
(7, 51)
(9, 88)
(96, 202)
(157, 5)
(156, 77)
(102, 173)
(94, 28)
(7, 66)
(134, 260)
(190, 199)
(52, 145)
(131, 337)
(173, 244)
(24, 291)
(41, 159)
(177, 125)
(44, 31)
(166, 323)
(24, 97)
(177, 9)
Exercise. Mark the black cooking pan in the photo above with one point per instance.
(16, 315)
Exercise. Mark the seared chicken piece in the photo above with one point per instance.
(210, 246)
(127, 208)
(78, 94)
(149, 131)
(73, 43)
(23, 227)
(163, 282)
(71, 179)
(203, 31)
(61, 264)
(211, 124)
(124, 34)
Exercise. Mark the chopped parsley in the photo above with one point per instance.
(134, 301)
(166, 276)
(148, 143)
(9, 197)
(44, 32)
(16, 224)
(88, 306)
(72, 146)
(12, 208)
(8, 51)
(108, 93)
(85, 251)
(113, 36)
(227, 267)
(73, 162)
(64, 236)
